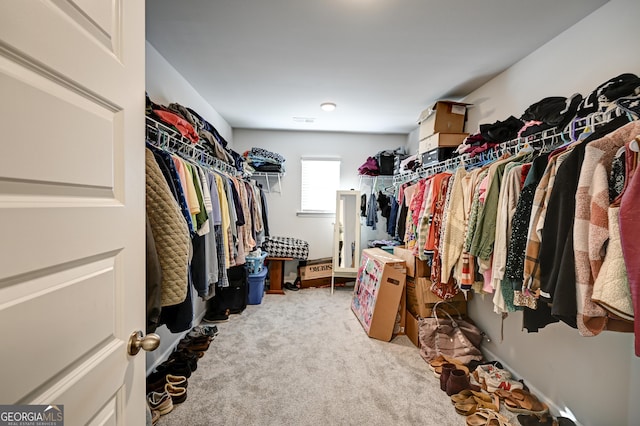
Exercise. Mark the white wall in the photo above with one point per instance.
(352, 148)
(595, 378)
(165, 85)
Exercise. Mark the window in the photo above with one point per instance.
(319, 183)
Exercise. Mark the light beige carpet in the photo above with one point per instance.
(303, 359)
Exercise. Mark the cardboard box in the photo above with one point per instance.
(318, 268)
(377, 292)
(401, 318)
(442, 117)
(441, 140)
(324, 282)
(411, 329)
(421, 300)
(415, 266)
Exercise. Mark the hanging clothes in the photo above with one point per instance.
(166, 164)
(453, 232)
(509, 194)
(514, 268)
(557, 264)
(630, 238)
(372, 212)
(170, 232)
(591, 228)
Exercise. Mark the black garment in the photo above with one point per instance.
(199, 274)
(555, 111)
(153, 281)
(393, 218)
(233, 298)
(237, 204)
(178, 317)
(384, 203)
(501, 131)
(402, 220)
(557, 263)
(610, 90)
(363, 205)
(274, 168)
(265, 212)
(534, 320)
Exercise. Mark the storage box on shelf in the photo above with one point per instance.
(377, 292)
(443, 116)
(441, 140)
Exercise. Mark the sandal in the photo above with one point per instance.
(468, 393)
(474, 404)
(484, 417)
(523, 402)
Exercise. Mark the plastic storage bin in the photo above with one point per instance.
(256, 287)
(255, 264)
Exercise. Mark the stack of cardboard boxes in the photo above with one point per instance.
(441, 130)
(420, 300)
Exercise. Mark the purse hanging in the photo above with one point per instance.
(457, 338)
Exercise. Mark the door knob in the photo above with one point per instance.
(149, 343)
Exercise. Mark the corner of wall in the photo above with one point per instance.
(165, 84)
(413, 142)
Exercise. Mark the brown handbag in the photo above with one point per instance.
(457, 338)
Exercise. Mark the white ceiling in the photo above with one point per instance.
(260, 63)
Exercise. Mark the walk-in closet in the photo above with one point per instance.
(306, 213)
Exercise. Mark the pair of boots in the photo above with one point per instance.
(453, 380)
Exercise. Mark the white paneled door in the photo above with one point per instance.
(72, 207)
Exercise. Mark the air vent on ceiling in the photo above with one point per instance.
(304, 119)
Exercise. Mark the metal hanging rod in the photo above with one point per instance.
(546, 139)
(166, 138)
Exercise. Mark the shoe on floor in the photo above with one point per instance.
(291, 287)
(160, 401)
(203, 330)
(211, 317)
(155, 416)
(178, 394)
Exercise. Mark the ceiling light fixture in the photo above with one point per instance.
(328, 106)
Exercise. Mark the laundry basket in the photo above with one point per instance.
(255, 264)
